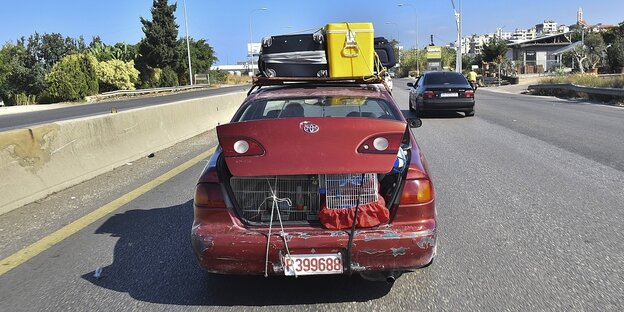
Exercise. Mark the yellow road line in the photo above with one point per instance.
(16, 259)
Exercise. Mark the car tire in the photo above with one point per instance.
(470, 113)
(418, 111)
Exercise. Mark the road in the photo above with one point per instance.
(529, 195)
(13, 121)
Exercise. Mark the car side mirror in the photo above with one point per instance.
(414, 122)
(410, 84)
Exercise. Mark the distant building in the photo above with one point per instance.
(582, 24)
(579, 16)
(548, 34)
(505, 35)
(539, 55)
(546, 28)
(524, 34)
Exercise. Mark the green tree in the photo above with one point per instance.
(614, 39)
(21, 76)
(47, 49)
(159, 47)
(409, 58)
(448, 57)
(168, 78)
(494, 51)
(595, 49)
(202, 57)
(116, 75)
(120, 51)
(578, 53)
(615, 54)
(73, 78)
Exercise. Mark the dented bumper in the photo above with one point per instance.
(239, 250)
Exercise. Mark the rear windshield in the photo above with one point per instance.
(445, 78)
(331, 106)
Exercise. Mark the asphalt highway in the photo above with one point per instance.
(13, 121)
(529, 196)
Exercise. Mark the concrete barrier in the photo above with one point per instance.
(43, 159)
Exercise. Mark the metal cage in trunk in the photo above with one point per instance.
(299, 197)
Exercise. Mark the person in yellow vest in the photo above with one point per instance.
(472, 78)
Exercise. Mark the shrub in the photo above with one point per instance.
(73, 78)
(168, 78)
(583, 80)
(218, 76)
(149, 77)
(22, 99)
(117, 75)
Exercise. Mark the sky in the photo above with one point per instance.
(226, 24)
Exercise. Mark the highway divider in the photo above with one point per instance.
(43, 159)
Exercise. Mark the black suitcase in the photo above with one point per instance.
(385, 52)
(300, 55)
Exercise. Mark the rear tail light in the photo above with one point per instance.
(417, 192)
(235, 147)
(209, 195)
(381, 144)
(469, 93)
(428, 95)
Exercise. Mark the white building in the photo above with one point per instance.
(546, 28)
(505, 35)
(524, 34)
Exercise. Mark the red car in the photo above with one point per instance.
(313, 179)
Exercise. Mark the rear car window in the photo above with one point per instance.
(445, 78)
(330, 106)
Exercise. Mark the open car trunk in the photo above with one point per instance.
(309, 167)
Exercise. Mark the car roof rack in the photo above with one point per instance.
(261, 81)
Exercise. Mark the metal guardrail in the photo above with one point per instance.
(577, 88)
(120, 93)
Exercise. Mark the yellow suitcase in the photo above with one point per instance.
(350, 49)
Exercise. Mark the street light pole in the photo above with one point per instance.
(416, 29)
(458, 60)
(253, 71)
(188, 46)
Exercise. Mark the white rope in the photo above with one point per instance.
(283, 234)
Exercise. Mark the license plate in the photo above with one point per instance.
(448, 94)
(317, 264)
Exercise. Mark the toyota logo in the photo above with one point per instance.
(309, 127)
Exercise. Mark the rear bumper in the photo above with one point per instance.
(235, 249)
(451, 104)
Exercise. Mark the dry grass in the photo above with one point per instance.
(588, 81)
(233, 79)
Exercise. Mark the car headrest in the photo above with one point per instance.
(292, 110)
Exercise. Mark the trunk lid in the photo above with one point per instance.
(311, 145)
(448, 90)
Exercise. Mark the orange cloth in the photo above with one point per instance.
(369, 215)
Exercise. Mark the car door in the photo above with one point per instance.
(413, 95)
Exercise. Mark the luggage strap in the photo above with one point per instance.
(350, 44)
(300, 57)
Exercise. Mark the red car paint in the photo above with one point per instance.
(289, 150)
(225, 244)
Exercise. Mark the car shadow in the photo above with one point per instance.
(432, 115)
(153, 262)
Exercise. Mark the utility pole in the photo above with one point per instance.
(458, 60)
(188, 46)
